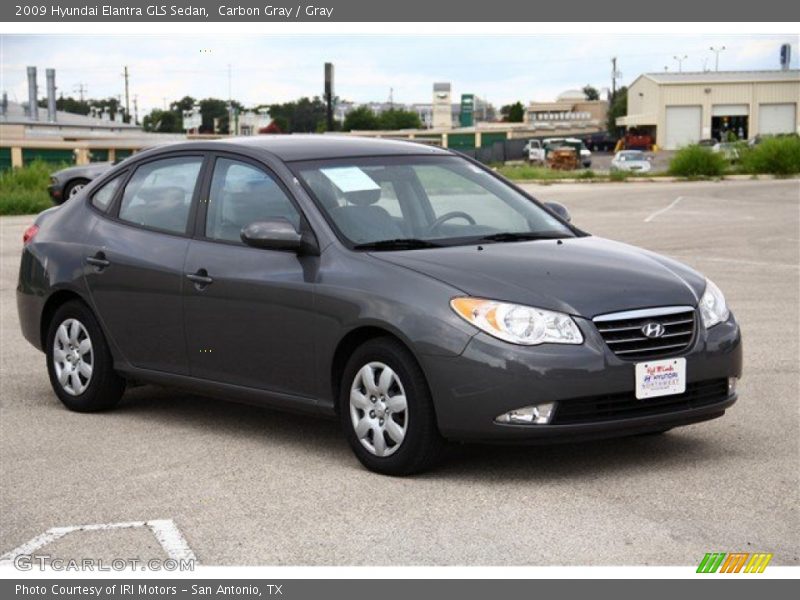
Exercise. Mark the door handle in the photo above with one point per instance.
(200, 279)
(98, 260)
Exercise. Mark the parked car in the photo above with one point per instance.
(411, 292)
(583, 151)
(66, 183)
(600, 142)
(631, 161)
(730, 150)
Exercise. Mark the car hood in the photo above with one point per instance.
(585, 276)
(91, 170)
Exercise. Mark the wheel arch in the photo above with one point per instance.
(351, 341)
(53, 303)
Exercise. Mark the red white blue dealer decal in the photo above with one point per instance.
(660, 378)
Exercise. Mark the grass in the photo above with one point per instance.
(697, 162)
(531, 172)
(778, 156)
(23, 191)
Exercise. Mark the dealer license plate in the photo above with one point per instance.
(660, 378)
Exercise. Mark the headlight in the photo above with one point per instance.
(517, 324)
(713, 308)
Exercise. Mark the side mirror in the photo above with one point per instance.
(278, 234)
(559, 209)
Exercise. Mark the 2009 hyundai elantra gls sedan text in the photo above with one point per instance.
(410, 291)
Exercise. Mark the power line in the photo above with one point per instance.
(82, 89)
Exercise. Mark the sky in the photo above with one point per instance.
(269, 69)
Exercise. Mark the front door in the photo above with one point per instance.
(248, 311)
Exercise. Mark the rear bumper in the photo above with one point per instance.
(492, 377)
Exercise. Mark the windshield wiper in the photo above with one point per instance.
(397, 244)
(508, 236)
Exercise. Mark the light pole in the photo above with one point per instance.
(680, 60)
(716, 51)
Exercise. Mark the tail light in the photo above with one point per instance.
(29, 234)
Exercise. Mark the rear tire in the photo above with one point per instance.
(386, 410)
(79, 362)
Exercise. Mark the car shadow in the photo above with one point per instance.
(486, 462)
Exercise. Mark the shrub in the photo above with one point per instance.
(778, 156)
(615, 175)
(23, 191)
(697, 161)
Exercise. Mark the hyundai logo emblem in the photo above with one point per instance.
(653, 329)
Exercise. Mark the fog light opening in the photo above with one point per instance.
(732, 383)
(538, 414)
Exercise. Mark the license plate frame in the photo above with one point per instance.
(656, 378)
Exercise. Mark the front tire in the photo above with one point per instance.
(73, 188)
(79, 362)
(386, 410)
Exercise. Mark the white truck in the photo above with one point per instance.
(536, 150)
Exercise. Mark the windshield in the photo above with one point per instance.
(631, 156)
(414, 202)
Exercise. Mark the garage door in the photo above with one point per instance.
(683, 126)
(730, 110)
(777, 118)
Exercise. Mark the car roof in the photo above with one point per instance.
(297, 147)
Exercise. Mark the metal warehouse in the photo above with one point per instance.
(678, 109)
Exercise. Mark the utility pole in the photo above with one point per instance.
(231, 128)
(127, 96)
(82, 89)
(680, 60)
(716, 51)
(614, 76)
(135, 109)
(391, 97)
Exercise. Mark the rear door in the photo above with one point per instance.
(137, 254)
(249, 317)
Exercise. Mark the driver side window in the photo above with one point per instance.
(242, 194)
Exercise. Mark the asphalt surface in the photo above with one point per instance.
(249, 486)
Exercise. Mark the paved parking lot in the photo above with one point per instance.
(250, 486)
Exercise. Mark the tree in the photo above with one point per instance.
(305, 115)
(184, 104)
(395, 118)
(360, 119)
(163, 121)
(591, 92)
(214, 108)
(513, 113)
(618, 108)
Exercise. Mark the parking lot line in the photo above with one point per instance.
(165, 531)
(663, 210)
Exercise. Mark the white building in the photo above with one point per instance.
(679, 109)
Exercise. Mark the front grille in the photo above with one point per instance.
(623, 333)
(626, 406)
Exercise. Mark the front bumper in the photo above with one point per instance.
(492, 377)
(56, 191)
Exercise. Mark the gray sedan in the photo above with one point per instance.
(66, 183)
(409, 292)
